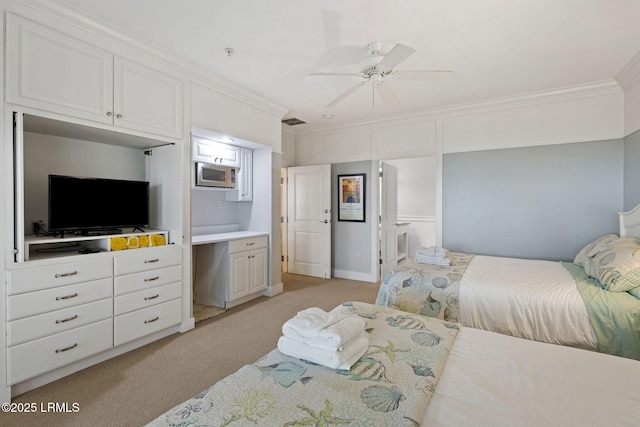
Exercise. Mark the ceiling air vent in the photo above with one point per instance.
(293, 121)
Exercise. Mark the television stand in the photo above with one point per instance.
(39, 247)
(101, 231)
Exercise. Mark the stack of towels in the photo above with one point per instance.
(336, 340)
(433, 255)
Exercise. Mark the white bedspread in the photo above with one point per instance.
(532, 299)
(497, 380)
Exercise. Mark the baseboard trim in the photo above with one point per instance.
(355, 275)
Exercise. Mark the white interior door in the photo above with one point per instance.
(388, 218)
(309, 216)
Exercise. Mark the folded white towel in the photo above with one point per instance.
(433, 251)
(311, 321)
(342, 360)
(332, 338)
(331, 331)
(433, 260)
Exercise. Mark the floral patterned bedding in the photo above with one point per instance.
(389, 386)
(429, 290)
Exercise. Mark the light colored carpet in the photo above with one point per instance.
(136, 387)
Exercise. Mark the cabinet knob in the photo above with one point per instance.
(109, 113)
(72, 273)
(67, 297)
(71, 347)
(119, 116)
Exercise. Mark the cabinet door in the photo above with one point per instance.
(245, 179)
(55, 72)
(259, 270)
(203, 150)
(147, 100)
(239, 280)
(228, 155)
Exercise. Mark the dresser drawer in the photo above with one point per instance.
(141, 299)
(33, 327)
(247, 244)
(33, 279)
(38, 302)
(147, 279)
(148, 259)
(37, 357)
(136, 324)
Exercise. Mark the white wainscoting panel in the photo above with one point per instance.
(592, 118)
(403, 139)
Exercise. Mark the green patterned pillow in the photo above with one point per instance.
(618, 266)
(591, 250)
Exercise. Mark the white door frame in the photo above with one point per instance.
(284, 219)
(309, 221)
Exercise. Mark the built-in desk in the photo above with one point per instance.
(225, 237)
(230, 268)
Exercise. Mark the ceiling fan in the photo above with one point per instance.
(381, 72)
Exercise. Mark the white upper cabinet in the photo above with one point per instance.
(55, 72)
(147, 100)
(213, 152)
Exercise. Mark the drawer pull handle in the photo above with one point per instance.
(68, 319)
(67, 297)
(152, 320)
(71, 347)
(148, 261)
(153, 297)
(72, 273)
(251, 244)
(151, 279)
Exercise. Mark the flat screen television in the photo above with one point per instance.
(96, 205)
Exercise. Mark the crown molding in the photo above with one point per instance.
(630, 74)
(568, 93)
(71, 15)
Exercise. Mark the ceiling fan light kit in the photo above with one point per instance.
(379, 73)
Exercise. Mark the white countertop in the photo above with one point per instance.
(225, 237)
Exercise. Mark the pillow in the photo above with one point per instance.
(618, 266)
(587, 254)
(635, 292)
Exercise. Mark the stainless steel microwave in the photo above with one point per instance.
(209, 175)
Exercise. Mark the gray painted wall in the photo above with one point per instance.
(543, 202)
(350, 239)
(632, 170)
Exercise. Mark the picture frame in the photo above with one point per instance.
(352, 197)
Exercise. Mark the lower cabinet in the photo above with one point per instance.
(248, 273)
(60, 314)
(230, 273)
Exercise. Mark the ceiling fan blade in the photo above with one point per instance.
(396, 55)
(351, 90)
(335, 74)
(386, 92)
(423, 75)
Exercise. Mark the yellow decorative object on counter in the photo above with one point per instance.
(118, 243)
(158, 240)
(144, 241)
(133, 242)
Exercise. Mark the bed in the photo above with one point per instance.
(592, 303)
(424, 371)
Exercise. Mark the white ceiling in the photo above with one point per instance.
(496, 48)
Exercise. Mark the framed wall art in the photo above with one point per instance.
(351, 197)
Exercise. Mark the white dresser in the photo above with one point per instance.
(63, 313)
